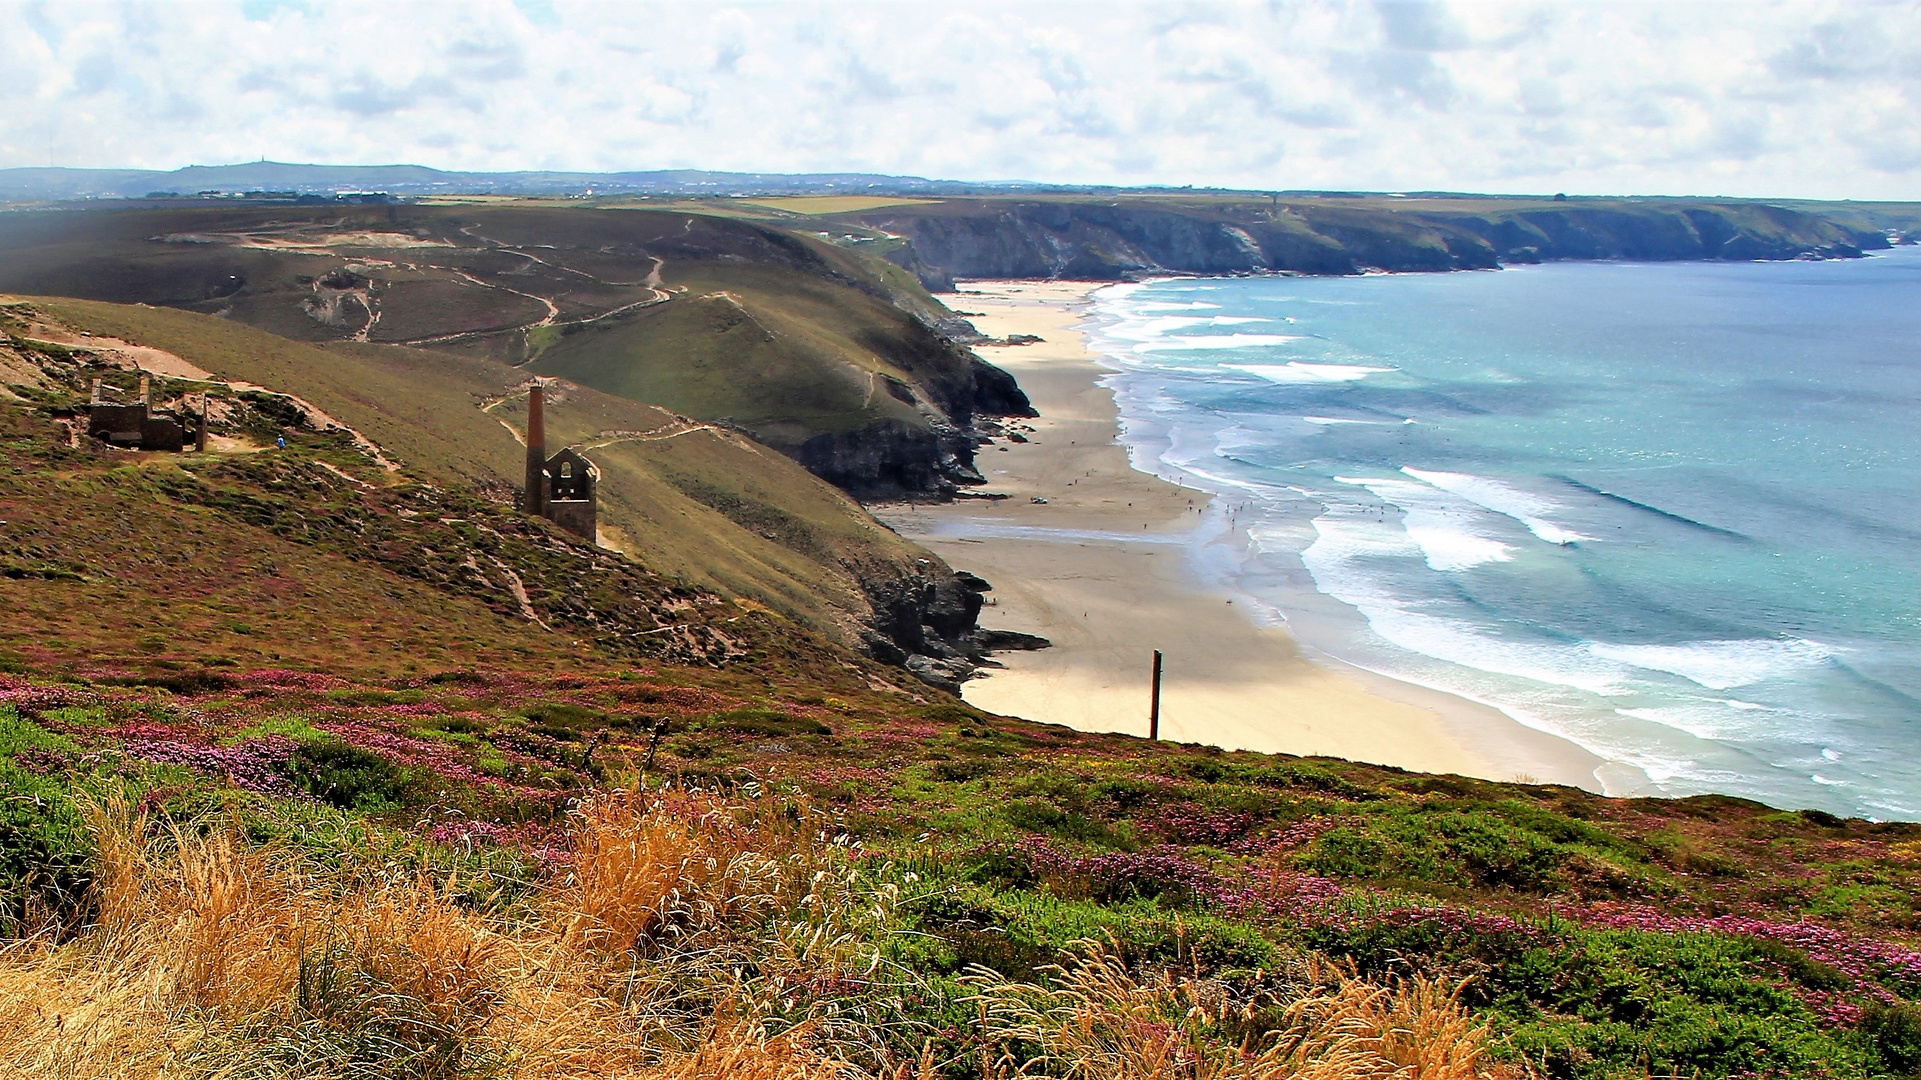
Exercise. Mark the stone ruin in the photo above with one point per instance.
(137, 425)
(559, 488)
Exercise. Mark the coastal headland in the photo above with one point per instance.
(1092, 554)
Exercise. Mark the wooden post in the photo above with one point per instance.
(1154, 702)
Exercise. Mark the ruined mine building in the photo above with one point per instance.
(560, 488)
(138, 426)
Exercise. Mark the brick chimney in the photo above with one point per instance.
(536, 498)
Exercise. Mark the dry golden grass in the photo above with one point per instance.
(209, 959)
(693, 938)
(1098, 1021)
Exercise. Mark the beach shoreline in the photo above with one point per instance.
(1093, 554)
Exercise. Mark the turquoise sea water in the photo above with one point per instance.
(1667, 511)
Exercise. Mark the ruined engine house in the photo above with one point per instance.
(137, 425)
(559, 488)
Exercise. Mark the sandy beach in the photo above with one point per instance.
(1101, 569)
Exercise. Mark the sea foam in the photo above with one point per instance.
(1210, 342)
(1721, 665)
(1443, 528)
(1343, 560)
(1460, 552)
(1294, 371)
(1502, 499)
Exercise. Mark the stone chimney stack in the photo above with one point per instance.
(146, 390)
(536, 501)
(200, 434)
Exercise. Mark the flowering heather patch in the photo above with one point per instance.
(265, 680)
(1458, 922)
(1288, 892)
(258, 765)
(1169, 871)
(40, 762)
(1302, 833)
(1157, 871)
(30, 698)
(854, 788)
(146, 730)
(1866, 962)
(1295, 837)
(455, 832)
(1191, 823)
(543, 843)
(907, 733)
(421, 710)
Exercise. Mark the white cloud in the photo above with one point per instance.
(1807, 98)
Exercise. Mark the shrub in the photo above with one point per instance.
(766, 723)
(1042, 816)
(550, 716)
(44, 850)
(346, 776)
(183, 682)
(1896, 1030)
(958, 772)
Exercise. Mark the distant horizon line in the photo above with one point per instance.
(928, 185)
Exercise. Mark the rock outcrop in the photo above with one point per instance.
(928, 623)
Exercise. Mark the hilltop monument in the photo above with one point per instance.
(560, 488)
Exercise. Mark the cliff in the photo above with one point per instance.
(1117, 238)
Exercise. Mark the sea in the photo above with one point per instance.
(1667, 512)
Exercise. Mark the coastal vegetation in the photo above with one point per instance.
(643, 870)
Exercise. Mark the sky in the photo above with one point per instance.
(1807, 99)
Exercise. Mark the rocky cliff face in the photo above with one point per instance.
(892, 458)
(1113, 241)
(927, 623)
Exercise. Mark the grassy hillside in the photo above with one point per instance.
(714, 316)
(318, 769)
(695, 504)
(807, 322)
